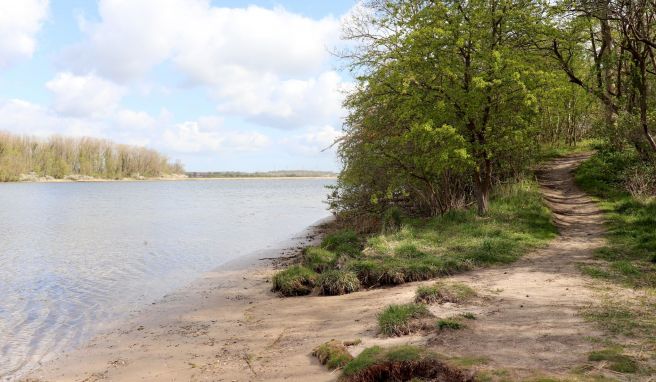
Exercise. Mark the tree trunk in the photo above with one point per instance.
(643, 106)
(483, 184)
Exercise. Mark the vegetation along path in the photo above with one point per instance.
(228, 327)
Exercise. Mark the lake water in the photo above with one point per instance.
(76, 257)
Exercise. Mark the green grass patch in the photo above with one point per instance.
(333, 354)
(397, 320)
(450, 324)
(343, 242)
(335, 282)
(296, 280)
(400, 363)
(319, 259)
(459, 240)
(441, 292)
(616, 360)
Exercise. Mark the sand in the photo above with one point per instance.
(228, 326)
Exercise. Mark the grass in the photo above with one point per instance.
(399, 363)
(319, 259)
(335, 282)
(450, 324)
(441, 292)
(333, 354)
(458, 241)
(616, 361)
(343, 242)
(397, 320)
(296, 280)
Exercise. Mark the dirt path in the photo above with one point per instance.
(227, 327)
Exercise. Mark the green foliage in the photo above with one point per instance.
(333, 354)
(319, 259)
(444, 292)
(294, 281)
(616, 360)
(395, 320)
(392, 219)
(61, 157)
(343, 242)
(337, 282)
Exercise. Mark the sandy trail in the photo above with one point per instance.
(229, 327)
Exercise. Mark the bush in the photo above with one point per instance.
(443, 292)
(333, 354)
(396, 320)
(294, 281)
(336, 282)
(343, 242)
(319, 259)
(400, 363)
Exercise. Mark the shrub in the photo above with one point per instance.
(333, 354)
(396, 320)
(400, 363)
(319, 259)
(443, 292)
(343, 242)
(294, 281)
(336, 282)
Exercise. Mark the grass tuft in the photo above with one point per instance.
(449, 324)
(333, 354)
(294, 281)
(397, 320)
(616, 360)
(319, 259)
(441, 292)
(335, 282)
(343, 242)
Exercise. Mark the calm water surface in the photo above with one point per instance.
(75, 257)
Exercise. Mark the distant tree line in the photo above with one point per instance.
(59, 157)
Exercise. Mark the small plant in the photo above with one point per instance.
(354, 342)
(336, 282)
(319, 259)
(333, 354)
(444, 292)
(449, 323)
(468, 316)
(616, 360)
(343, 242)
(396, 320)
(294, 281)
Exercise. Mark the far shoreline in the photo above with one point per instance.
(168, 179)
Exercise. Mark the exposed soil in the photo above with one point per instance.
(230, 327)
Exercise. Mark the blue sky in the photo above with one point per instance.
(221, 85)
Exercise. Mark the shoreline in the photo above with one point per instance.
(231, 276)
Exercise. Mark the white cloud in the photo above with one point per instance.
(313, 141)
(20, 21)
(86, 95)
(267, 65)
(205, 136)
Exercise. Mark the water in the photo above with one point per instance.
(76, 257)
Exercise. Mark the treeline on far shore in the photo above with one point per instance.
(58, 157)
(264, 174)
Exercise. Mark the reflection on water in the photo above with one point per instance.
(76, 256)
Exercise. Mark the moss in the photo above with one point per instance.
(616, 360)
(294, 281)
(396, 320)
(319, 259)
(335, 282)
(333, 354)
(444, 292)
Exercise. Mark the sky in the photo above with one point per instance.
(220, 85)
